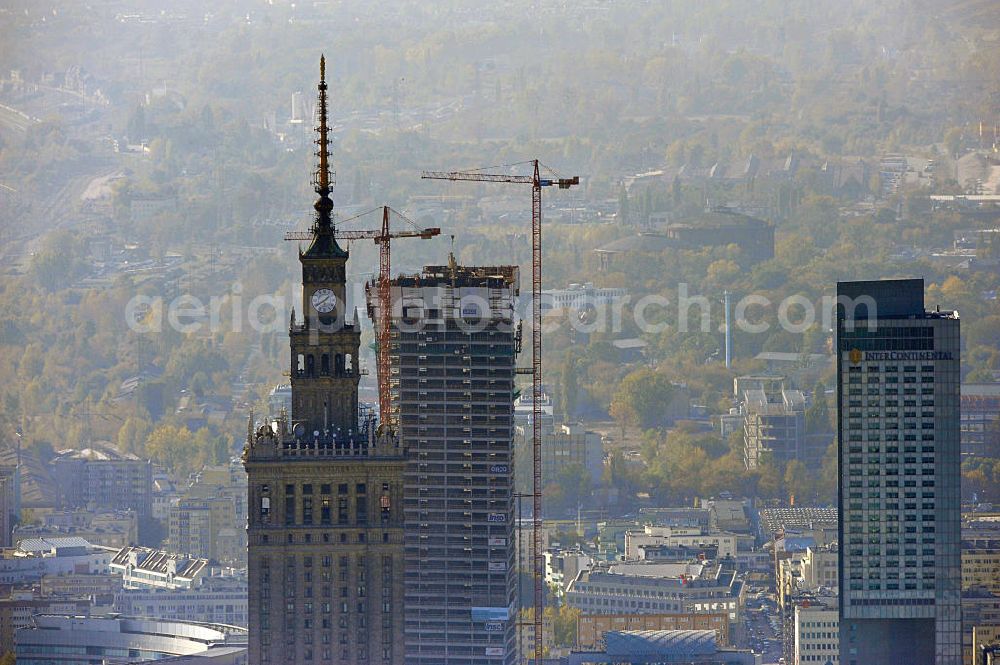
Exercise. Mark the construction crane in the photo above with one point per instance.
(536, 182)
(381, 318)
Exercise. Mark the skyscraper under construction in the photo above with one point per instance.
(453, 345)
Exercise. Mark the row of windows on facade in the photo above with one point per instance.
(872, 380)
(854, 391)
(874, 329)
(875, 403)
(343, 563)
(308, 607)
(304, 504)
(307, 538)
(890, 586)
(326, 625)
(155, 610)
(908, 426)
(881, 515)
(326, 637)
(857, 563)
(877, 573)
(875, 528)
(878, 436)
(896, 461)
(926, 344)
(857, 369)
(305, 365)
(360, 654)
(880, 413)
(871, 470)
(874, 447)
(454, 348)
(878, 505)
(360, 591)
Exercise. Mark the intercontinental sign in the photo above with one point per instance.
(855, 355)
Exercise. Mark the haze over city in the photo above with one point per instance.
(461, 333)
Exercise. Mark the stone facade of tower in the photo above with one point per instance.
(325, 521)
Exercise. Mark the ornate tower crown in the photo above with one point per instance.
(324, 243)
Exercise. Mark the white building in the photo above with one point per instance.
(674, 536)
(35, 557)
(218, 600)
(67, 640)
(577, 297)
(659, 588)
(562, 567)
(817, 636)
(819, 567)
(145, 568)
(279, 398)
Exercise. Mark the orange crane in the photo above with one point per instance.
(381, 318)
(536, 182)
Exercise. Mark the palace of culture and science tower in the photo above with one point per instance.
(325, 526)
(350, 518)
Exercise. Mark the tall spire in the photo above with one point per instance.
(323, 172)
(324, 243)
(324, 205)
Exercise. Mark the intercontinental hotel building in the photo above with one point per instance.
(898, 375)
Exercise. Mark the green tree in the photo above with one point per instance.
(564, 625)
(826, 482)
(136, 129)
(798, 482)
(623, 207)
(574, 479)
(132, 435)
(769, 478)
(174, 448)
(953, 141)
(59, 261)
(818, 413)
(642, 400)
(570, 387)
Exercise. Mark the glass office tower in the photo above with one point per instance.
(898, 378)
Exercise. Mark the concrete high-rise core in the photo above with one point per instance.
(453, 345)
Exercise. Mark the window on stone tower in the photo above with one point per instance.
(324, 364)
(339, 364)
(361, 509)
(348, 363)
(386, 504)
(307, 510)
(342, 510)
(310, 365)
(300, 363)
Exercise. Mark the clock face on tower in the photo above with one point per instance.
(324, 300)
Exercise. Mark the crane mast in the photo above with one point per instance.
(536, 182)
